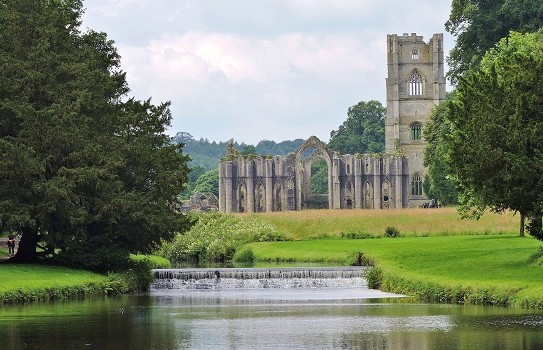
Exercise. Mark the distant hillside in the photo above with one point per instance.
(207, 154)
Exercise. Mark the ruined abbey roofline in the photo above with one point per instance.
(259, 183)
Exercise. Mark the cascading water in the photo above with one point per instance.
(257, 278)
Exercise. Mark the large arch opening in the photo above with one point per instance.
(314, 175)
(316, 191)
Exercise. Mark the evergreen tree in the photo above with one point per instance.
(84, 177)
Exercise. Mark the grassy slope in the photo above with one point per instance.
(430, 267)
(310, 224)
(463, 260)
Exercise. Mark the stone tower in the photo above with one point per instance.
(415, 84)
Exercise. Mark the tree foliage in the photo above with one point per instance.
(495, 138)
(208, 182)
(84, 176)
(479, 24)
(438, 183)
(362, 132)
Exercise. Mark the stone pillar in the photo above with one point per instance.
(228, 187)
(222, 194)
(268, 170)
(377, 184)
(398, 190)
(358, 191)
(335, 195)
(249, 175)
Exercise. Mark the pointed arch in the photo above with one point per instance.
(385, 195)
(260, 198)
(416, 184)
(368, 195)
(415, 83)
(348, 194)
(242, 198)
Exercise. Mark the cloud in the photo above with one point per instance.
(270, 69)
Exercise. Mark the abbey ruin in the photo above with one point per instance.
(415, 84)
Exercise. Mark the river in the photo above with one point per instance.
(300, 317)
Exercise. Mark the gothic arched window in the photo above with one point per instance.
(416, 131)
(416, 185)
(415, 83)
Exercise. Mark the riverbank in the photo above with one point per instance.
(20, 283)
(25, 283)
(477, 269)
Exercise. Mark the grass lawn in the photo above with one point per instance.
(314, 224)
(475, 268)
(26, 277)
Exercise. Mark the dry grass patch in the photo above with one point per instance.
(311, 224)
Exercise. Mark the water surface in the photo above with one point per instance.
(296, 318)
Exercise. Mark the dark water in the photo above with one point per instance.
(300, 318)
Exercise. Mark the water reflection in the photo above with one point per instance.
(348, 318)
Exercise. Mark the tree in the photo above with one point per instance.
(480, 24)
(437, 182)
(495, 120)
(208, 182)
(248, 150)
(362, 132)
(84, 176)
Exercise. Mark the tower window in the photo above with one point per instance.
(416, 131)
(416, 185)
(415, 54)
(415, 83)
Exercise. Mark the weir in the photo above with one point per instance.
(257, 278)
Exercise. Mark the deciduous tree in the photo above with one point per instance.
(479, 24)
(363, 131)
(495, 138)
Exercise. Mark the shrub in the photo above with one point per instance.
(392, 232)
(244, 256)
(216, 236)
(373, 276)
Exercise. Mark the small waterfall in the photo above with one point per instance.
(256, 278)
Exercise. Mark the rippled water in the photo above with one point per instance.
(297, 318)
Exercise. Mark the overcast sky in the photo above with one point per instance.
(260, 69)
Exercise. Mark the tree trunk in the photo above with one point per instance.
(26, 252)
(522, 222)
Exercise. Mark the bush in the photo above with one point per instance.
(244, 256)
(373, 276)
(216, 236)
(392, 232)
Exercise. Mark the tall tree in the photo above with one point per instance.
(479, 24)
(85, 177)
(363, 131)
(438, 183)
(496, 118)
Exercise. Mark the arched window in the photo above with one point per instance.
(416, 185)
(416, 131)
(415, 84)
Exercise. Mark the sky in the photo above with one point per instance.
(260, 69)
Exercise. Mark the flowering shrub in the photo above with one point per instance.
(216, 236)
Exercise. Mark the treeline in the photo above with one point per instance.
(362, 132)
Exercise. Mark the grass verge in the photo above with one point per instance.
(494, 269)
(28, 283)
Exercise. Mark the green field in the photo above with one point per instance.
(444, 259)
